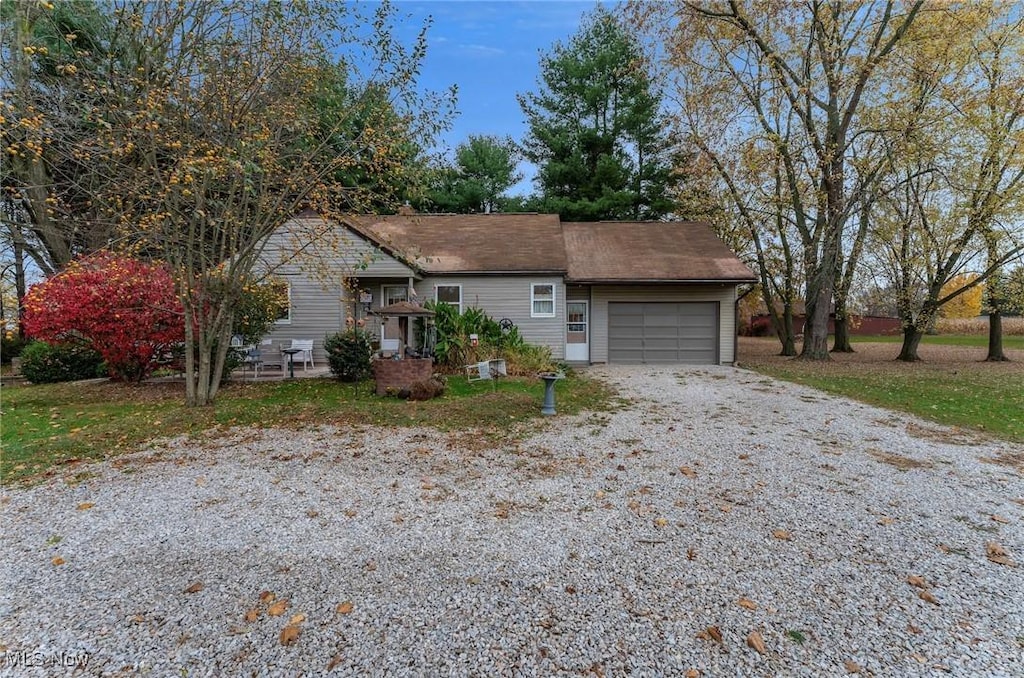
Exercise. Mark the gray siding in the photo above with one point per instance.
(508, 296)
(602, 295)
(577, 293)
(328, 251)
(314, 258)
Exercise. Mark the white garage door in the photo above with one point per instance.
(663, 332)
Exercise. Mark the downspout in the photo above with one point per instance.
(736, 329)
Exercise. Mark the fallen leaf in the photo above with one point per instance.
(687, 471)
(886, 521)
(725, 508)
(913, 629)
(744, 456)
(267, 596)
(252, 615)
(297, 619)
(928, 597)
(919, 582)
(57, 561)
(660, 522)
(646, 489)
(351, 513)
(782, 534)
(194, 587)
(852, 666)
(599, 494)
(1001, 519)
(289, 634)
(711, 633)
(370, 565)
(278, 608)
(346, 607)
(747, 603)
(570, 589)
(997, 554)
(692, 673)
(691, 553)
(335, 661)
(85, 506)
(755, 641)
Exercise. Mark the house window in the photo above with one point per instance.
(284, 315)
(449, 294)
(542, 300)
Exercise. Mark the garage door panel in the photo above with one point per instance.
(657, 332)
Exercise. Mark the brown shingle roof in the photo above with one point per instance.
(649, 251)
(471, 243)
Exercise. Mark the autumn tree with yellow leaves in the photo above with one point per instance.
(212, 124)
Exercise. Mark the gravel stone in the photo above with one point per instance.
(577, 546)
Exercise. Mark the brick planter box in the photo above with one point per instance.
(396, 375)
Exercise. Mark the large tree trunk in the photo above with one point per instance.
(995, 336)
(842, 332)
(911, 340)
(816, 327)
(787, 337)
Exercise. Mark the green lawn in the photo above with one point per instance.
(949, 387)
(49, 426)
(1009, 342)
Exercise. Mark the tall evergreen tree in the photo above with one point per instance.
(596, 130)
(485, 167)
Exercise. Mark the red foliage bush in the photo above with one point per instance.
(124, 308)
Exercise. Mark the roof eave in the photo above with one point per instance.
(661, 281)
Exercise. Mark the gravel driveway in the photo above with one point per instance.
(653, 540)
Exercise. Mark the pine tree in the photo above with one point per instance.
(596, 130)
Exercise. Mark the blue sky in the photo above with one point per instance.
(491, 50)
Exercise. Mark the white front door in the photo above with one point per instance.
(577, 331)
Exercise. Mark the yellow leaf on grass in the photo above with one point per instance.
(57, 561)
(919, 582)
(278, 608)
(346, 607)
(747, 603)
(782, 534)
(289, 634)
(755, 641)
(297, 618)
(660, 522)
(194, 587)
(85, 506)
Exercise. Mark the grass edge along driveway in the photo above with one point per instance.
(55, 428)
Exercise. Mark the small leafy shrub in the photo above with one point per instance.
(454, 348)
(126, 309)
(349, 353)
(11, 346)
(43, 363)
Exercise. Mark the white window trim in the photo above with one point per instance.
(438, 301)
(288, 320)
(533, 300)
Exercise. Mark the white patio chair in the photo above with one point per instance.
(306, 346)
